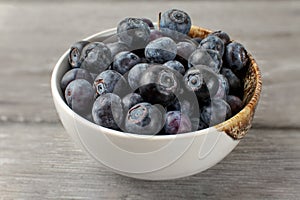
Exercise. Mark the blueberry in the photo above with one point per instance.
(175, 65)
(233, 80)
(185, 106)
(96, 57)
(140, 54)
(185, 49)
(117, 47)
(194, 81)
(144, 119)
(197, 39)
(109, 81)
(149, 22)
(107, 111)
(236, 56)
(223, 89)
(124, 61)
(135, 75)
(202, 81)
(159, 85)
(79, 96)
(201, 125)
(161, 50)
(235, 103)
(75, 73)
(75, 53)
(154, 34)
(134, 32)
(224, 83)
(177, 122)
(175, 21)
(222, 35)
(130, 100)
(207, 57)
(217, 112)
(213, 42)
(195, 122)
(94, 76)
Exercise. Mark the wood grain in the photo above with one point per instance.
(39, 161)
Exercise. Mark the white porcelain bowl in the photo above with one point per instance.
(157, 157)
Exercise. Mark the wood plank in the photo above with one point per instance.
(39, 161)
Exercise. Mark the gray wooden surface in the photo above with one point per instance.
(38, 160)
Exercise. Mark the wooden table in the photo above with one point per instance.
(38, 160)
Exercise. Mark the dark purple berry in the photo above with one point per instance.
(154, 34)
(175, 65)
(124, 61)
(224, 83)
(135, 75)
(198, 39)
(134, 32)
(213, 43)
(107, 111)
(159, 85)
(217, 112)
(161, 50)
(93, 76)
(175, 21)
(185, 49)
(109, 81)
(195, 122)
(186, 102)
(130, 100)
(223, 89)
(207, 57)
(202, 81)
(149, 22)
(144, 119)
(75, 53)
(117, 47)
(75, 73)
(177, 122)
(201, 125)
(235, 103)
(222, 35)
(96, 57)
(79, 96)
(233, 80)
(236, 56)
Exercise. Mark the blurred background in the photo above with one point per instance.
(38, 159)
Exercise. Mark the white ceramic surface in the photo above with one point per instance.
(142, 157)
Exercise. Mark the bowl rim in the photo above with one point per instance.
(59, 99)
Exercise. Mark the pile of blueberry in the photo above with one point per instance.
(156, 80)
